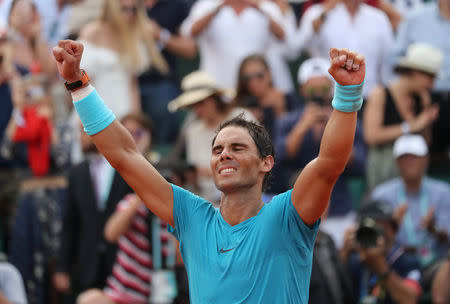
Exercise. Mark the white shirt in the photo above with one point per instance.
(368, 32)
(280, 52)
(230, 37)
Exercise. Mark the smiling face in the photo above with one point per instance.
(236, 163)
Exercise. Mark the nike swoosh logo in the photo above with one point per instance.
(225, 250)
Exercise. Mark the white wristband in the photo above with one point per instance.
(164, 37)
(406, 128)
(82, 93)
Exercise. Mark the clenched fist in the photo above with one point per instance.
(347, 67)
(68, 56)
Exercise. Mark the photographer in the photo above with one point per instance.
(381, 271)
(297, 141)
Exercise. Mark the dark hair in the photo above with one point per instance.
(220, 103)
(260, 137)
(241, 87)
(141, 119)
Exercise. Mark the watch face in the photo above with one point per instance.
(74, 85)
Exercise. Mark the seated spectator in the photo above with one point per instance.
(425, 227)
(12, 290)
(145, 245)
(210, 105)
(330, 282)
(382, 272)
(405, 106)
(431, 25)
(298, 137)
(255, 91)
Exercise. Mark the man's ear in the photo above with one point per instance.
(267, 163)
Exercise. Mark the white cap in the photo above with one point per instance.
(313, 67)
(410, 144)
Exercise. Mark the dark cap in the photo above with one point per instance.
(376, 210)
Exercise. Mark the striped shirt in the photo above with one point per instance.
(131, 278)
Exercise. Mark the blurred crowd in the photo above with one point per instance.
(71, 229)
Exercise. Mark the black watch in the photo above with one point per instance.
(79, 83)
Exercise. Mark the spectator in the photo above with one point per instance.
(425, 227)
(11, 285)
(37, 221)
(355, 17)
(280, 52)
(118, 47)
(229, 30)
(157, 88)
(139, 235)
(94, 189)
(54, 15)
(330, 282)
(298, 137)
(403, 107)
(381, 272)
(255, 91)
(434, 18)
(30, 49)
(209, 104)
(8, 176)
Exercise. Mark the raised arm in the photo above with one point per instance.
(112, 139)
(312, 190)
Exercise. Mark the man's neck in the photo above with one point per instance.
(413, 186)
(239, 206)
(352, 7)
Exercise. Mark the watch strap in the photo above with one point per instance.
(79, 83)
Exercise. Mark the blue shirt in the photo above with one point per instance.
(428, 26)
(436, 194)
(265, 259)
(341, 200)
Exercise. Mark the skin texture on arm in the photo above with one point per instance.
(120, 221)
(118, 146)
(312, 190)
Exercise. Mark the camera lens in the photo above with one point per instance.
(368, 233)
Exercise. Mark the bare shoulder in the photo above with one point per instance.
(92, 31)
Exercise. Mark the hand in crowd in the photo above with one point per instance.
(312, 114)
(68, 56)
(349, 244)
(61, 281)
(399, 213)
(425, 118)
(374, 258)
(347, 67)
(154, 28)
(427, 222)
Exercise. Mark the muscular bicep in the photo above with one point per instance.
(312, 191)
(118, 146)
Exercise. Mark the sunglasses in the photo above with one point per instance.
(131, 9)
(258, 75)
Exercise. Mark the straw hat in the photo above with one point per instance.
(313, 67)
(197, 86)
(422, 57)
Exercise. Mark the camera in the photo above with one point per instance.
(368, 233)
